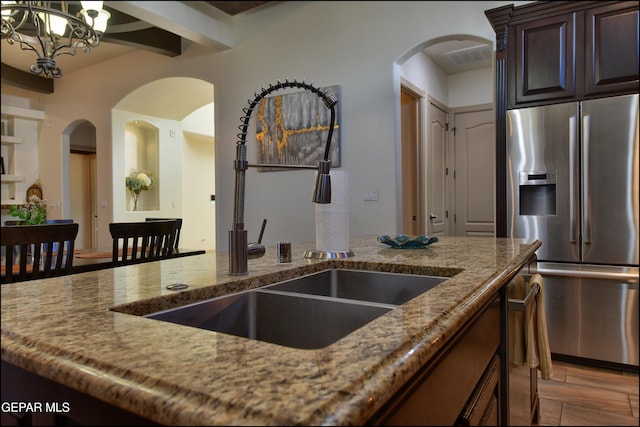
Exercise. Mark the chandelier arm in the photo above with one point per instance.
(81, 34)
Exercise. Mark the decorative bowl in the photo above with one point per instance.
(402, 241)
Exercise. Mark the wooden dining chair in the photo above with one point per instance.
(135, 242)
(170, 219)
(37, 251)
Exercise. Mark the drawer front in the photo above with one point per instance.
(483, 402)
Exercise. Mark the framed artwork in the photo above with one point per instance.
(292, 129)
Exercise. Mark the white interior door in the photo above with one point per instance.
(474, 143)
(437, 171)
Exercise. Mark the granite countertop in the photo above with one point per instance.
(85, 331)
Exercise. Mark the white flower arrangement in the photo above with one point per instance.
(137, 182)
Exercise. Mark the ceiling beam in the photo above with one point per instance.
(152, 39)
(24, 80)
(189, 20)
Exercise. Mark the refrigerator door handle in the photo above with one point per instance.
(586, 215)
(573, 180)
(630, 277)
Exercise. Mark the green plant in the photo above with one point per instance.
(32, 213)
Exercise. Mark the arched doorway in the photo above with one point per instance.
(80, 180)
(454, 77)
(181, 109)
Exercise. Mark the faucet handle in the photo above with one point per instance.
(264, 224)
(256, 250)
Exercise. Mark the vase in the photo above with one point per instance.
(135, 200)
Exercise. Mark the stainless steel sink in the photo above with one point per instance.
(364, 285)
(286, 319)
(307, 312)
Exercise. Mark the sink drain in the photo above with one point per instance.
(177, 286)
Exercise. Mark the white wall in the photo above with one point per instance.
(423, 73)
(471, 88)
(457, 90)
(199, 181)
(325, 43)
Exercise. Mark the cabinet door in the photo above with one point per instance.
(438, 394)
(545, 59)
(612, 49)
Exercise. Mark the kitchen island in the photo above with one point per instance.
(85, 332)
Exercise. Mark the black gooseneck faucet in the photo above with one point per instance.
(238, 246)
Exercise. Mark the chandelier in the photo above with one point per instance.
(49, 31)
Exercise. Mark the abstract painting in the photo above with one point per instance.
(292, 129)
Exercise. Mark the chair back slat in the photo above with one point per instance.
(44, 250)
(177, 240)
(135, 242)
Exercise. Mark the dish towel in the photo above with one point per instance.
(517, 290)
(538, 351)
(529, 345)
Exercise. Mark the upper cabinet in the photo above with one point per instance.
(611, 49)
(566, 51)
(542, 61)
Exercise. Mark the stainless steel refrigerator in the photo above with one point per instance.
(572, 181)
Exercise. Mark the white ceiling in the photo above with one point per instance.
(153, 99)
(456, 56)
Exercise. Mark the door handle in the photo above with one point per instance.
(432, 217)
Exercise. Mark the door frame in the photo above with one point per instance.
(418, 171)
(449, 186)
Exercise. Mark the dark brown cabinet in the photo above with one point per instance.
(567, 55)
(611, 49)
(542, 65)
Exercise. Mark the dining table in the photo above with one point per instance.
(91, 259)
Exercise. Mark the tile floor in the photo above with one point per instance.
(578, 395)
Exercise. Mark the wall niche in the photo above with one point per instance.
(141, 155)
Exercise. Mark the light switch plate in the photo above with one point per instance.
(371, 195)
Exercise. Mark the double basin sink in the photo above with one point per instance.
(307, 312)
